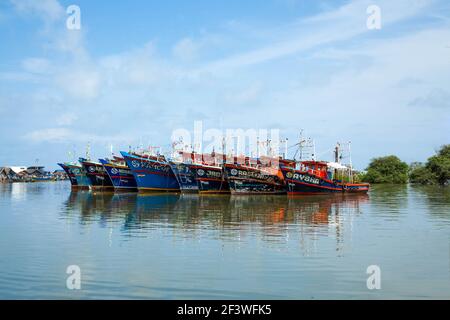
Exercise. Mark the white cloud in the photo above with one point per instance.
(64, 135)
(71, 42)
(244, 96)
(66, 119)
(436, 98)
(185, 49)
(341, 24)
(136, 67)
(50, 135)
(18, 76)
(49, 10)
(80, 83)
(36, 65)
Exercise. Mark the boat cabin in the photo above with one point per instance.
(317, 168)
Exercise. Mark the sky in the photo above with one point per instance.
(137, 70)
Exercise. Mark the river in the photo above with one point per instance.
(171, 246)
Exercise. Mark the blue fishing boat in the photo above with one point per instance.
(211, 179)
(152, 173)
(121, 176)
(202, 172)
(77, 175)
(185, 175)
(184, 172)
(72, 178)
(97, 175)
(42, 178)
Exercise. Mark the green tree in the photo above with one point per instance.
(419, 173)
(389, 169)
(435, 171)
(439, 165)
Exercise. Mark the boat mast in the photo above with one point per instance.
(300, 145)
(336, 153)
(269, 147)
(351, 165)
(314, 149)
(88, 151)
(336, 159)
(257, 147)
(306, 149)
(285, 148)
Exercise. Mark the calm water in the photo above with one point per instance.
(223, 247)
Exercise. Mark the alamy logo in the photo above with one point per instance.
(374, 280)
(374, 19)
(231, 143)
(73, 21)
(73, 281)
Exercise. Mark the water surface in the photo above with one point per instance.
(171, 246)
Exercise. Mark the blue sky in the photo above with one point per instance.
(138, 70)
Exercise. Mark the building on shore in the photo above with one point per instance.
(60, 175)
(7, 174)
(29, 174)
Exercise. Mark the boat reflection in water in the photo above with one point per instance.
(228, 217)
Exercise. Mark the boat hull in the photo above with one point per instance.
(185, 175)
(356, 187)
(211, 179)
(246, 180)
(150, 175)
(97, 175)
(121, 176)
(72, 178)
(300, 182)
(83, 182)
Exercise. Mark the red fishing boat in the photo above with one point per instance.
(317, 177)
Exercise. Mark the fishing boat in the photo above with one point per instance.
(70, 174)
(254, 177)
(77, 175)
(210, 174)
(317, 177)
(211, 179)
(97, 175)
(151, 172)
(44, 178)
(184, 172)
(121, 176)
(261, 175)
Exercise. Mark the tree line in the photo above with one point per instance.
(390, 169)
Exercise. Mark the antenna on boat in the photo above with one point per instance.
(88, 151)
(285, 148)
(269, 147)
(313, 156)
(300, 145)
(350, 160)
(337, 156)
